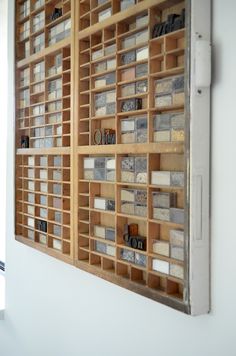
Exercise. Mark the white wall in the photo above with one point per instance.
(56, 310)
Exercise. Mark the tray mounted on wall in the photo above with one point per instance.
(112, 141)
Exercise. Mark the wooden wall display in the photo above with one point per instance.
(102, 130)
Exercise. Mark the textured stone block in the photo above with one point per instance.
(110, 96)
(100, 203)
(140, 164)
(31, 234)
(100, 82)
(30, 161)
(43, 161)
(110, 108)
(100, 247)
(178, 83)
(128, 90)
(177, 179)
(163, 100)
(31, 173)
(57, 161)
(88, 174)
(43, 174)
(128, 57)
(110, 163)
(57, 189)
(128, 42)
(110, 49)
(131, 104)
(141, 123)
(161, 214)
(127, 208)
(100, 67)
(31, 185)
(43, 200)
(140, 210)
(127, 195)
(142, 37)
(141, 20)
(125, 4)
(141, 87)
(177, 252)
(177, 237)
(31, 198)
(128, 74)
(128, 177)
(111, 64)
(111, 250)
(30, 210)
(162, 122)
(140, 259)
(127, 125)
(141, 70)
(110, 175)
(57, 230)
(161, 136)
(127, 255)
(161, 248)
(160, 178)
(57, 175)
(164, 200)
(142, 53)
(57, 244)
(128, 164)
(100, 100)
(141, 136)
(163, 86)
(43, 213)
(105, 14)
(58, 216)
(141, 177)
(178, 99)
(110, 234)
(177, 135)
(97, 54)
(128, 137)
(100, 162)
(141, 196)
(176, 271)
(99, 174)
(42, 239)
(177, 215)
(99, 231)
(57, 203)
(110, 205)
(178, 121)
(160, 266)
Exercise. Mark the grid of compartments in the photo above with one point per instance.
(96, 11)
(40, 24)
(116, 193)
(131, 204)
(121, 67)
(44, 101)
(43, 126)
(128, 221)
(43, 201)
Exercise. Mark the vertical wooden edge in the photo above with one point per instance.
(187, 152)
(74, 125)
(15, 111)
(74, 169)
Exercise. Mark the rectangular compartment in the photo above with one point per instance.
(161, 247)
(169, 92)
(160, 266)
